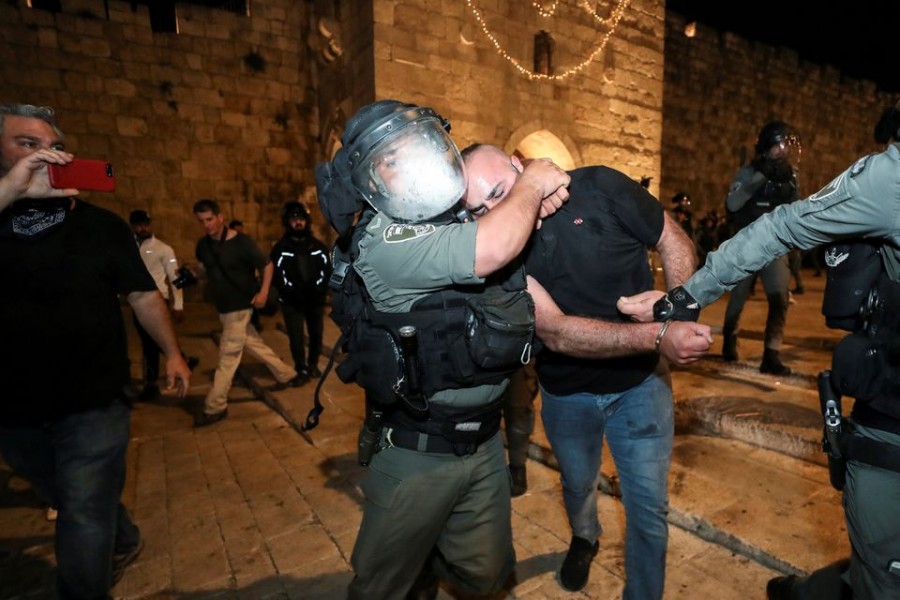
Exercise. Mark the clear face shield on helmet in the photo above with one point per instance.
(414, 173)
(787, 147)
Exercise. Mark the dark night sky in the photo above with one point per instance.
(858, 37)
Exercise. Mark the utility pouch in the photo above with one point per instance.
(375, 364)
(500, 329)
(853, 269)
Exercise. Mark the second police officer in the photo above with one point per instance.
(860, 208)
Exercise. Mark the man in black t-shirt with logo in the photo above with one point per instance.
(600, 374)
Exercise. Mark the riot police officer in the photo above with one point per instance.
(437, 491)
(862, 202)
(767, 182)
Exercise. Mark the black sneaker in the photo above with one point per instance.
(203, 419)
(121, 560)
(519, 481)
(576, 567)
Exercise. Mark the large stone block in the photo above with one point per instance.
(120, 87)
(131, 126)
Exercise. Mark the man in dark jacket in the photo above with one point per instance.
(302, 269)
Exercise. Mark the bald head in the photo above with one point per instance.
(491, 173)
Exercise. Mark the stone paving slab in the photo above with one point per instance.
(249, 508)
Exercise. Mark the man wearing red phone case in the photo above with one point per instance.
(64, 419)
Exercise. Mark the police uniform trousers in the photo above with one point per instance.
(518, 413)
(419, 505)
(872, 510)
(776, 279)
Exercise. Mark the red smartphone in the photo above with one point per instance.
(83, 174)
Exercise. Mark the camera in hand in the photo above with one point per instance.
(186, 278)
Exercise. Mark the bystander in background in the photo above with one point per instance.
(231, 261)
(302, 270)
(159, 258)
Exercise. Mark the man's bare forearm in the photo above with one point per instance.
(677, 253)
(153, 314)
(585, 337)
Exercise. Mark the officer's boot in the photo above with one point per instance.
(729, 347)
(772, 364)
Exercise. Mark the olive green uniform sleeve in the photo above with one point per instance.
(400, 263)
(863, 201)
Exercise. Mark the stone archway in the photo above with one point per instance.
(533, 140)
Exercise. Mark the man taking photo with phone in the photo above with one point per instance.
(64, 419)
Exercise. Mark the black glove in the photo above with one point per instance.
(677, 305)
(785, 192)
(778, 170)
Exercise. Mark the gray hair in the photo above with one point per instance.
(29, 111)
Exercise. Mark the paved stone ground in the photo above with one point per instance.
(249, 508)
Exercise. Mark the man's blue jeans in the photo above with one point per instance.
(639, 427)
(77, 465)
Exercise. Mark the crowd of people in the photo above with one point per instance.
(435, 248)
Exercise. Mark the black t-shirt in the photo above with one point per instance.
(64, 347)
(231, 267)
(587, 255)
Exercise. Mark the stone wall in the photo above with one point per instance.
(436, 53)
(241, 108)
(222, 109)
(721, 89)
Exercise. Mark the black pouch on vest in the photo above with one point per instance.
(853, 269)
(500, 329)
(860, 367)
(374, 365)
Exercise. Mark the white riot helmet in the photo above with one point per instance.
(402, 161)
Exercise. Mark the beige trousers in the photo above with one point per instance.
(239, 335)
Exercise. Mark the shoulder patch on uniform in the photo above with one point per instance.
(829, 189)
(401, 232)
(859, 166)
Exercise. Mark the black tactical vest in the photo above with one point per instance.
(764, 200)
(860, 297)
(466, 336)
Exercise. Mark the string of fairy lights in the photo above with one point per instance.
(547, 11)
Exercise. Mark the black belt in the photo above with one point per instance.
(871, 452)
(423, 442)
